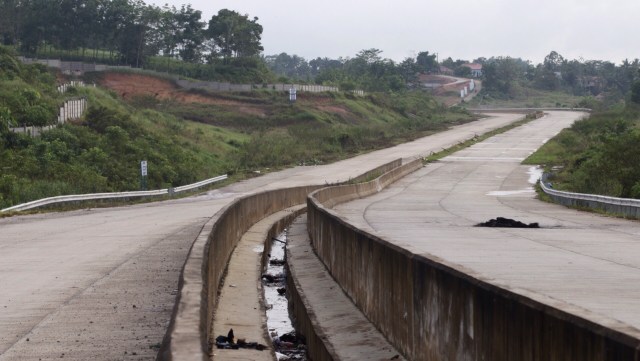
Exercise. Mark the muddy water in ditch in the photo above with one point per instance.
(275, 295)
(278, 320)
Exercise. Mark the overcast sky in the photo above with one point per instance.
(462, 29)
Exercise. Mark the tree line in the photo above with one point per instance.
(127, 31)
(131, 32)
(505, 76)
(367, 70)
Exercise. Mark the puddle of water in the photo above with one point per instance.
(278, 319)
(535, 173)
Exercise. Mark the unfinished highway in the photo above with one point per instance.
(576, 269)
(102, 283)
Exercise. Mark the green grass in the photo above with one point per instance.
(596, 155)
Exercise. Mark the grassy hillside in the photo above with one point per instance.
(189, 136)
(100, 153)
(317, 128)
(27, 93)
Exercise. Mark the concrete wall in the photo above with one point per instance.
(189, 336)
(189, 333)
(318, 348)
(79, 68)
(225, 87)
(431, 310)
(331, 196)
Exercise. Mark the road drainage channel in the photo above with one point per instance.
(287, 343)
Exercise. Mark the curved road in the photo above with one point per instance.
(101, 283)
(583, 263)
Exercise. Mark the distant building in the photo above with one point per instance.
(476, 69)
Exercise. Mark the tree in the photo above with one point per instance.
(462, 71)
(554, 61)
(409, 69)
(635, 92)
(426, 62)
(290, 66)
(501, 75)
(546, 78)
(137, 28)
(10, 21)
(369, 56)
(234, 35)
(190, 33)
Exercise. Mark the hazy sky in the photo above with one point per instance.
(464, 29)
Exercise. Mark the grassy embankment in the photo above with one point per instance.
(318, 128)
(597, 155)
(185, 141)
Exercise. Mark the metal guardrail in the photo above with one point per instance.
(115, 195)
(624, 206)
(512, 110)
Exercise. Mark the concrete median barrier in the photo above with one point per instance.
(431, 310)
(189, 336)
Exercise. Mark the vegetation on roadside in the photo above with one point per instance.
(102, 152)
(597, 155)
(556, 82)
(27, 93)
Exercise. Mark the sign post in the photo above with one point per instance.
(143, 175)
(293, 94)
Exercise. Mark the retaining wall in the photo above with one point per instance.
(79, 68)
(190, 334)
(331, 196)
(317, 348)
(386, 174)
(430, 310)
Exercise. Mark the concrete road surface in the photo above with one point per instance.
(584, 263)
(101, 283)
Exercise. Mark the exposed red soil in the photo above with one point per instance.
(129, 86)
